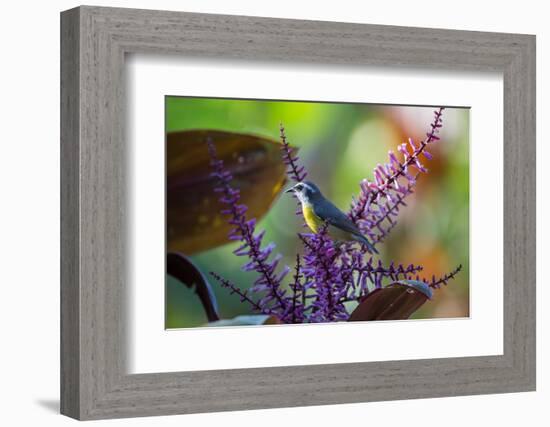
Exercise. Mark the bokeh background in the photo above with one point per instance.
(339, 144)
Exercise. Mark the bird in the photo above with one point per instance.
(318, 210)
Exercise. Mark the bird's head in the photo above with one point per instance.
(306, 191)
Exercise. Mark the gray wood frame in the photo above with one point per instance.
(94, 41)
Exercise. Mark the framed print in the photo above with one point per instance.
(348, 210)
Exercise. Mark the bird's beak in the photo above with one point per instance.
(289, 190)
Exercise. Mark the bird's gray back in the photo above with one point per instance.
(327, 211)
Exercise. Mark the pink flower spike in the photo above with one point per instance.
(394, 181)
(381, 171)
(393, 159)
(378, 177)
(373, 186)
(432, 137)
(397, 185)
(427, 155)
(367, 205)
(420, 166)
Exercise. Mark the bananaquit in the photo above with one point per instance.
(317, 211)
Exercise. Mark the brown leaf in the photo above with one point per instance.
(194, 221)
(396, 301)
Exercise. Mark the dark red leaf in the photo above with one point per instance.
(396, 301)
(181, 268)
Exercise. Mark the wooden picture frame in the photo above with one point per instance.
(94, 41)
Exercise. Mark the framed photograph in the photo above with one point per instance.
(262, 213)
(225, 198)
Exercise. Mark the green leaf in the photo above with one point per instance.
(247, 320)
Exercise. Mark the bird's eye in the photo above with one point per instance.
(299, 187)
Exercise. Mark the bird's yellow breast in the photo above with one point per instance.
(312, 220)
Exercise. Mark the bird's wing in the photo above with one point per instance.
(335, 217)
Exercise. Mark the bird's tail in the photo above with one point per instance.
(362, 239)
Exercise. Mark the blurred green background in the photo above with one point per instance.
(340, 143)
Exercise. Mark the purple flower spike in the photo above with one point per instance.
(436, 283)
(294, 172)
(323, 274)
(244, 231)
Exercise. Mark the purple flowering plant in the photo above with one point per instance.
(327, 275)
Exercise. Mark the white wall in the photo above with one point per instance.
(29, 226)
